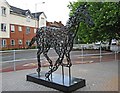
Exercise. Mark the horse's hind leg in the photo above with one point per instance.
(39, 63)
(46, 56)
(69, 64)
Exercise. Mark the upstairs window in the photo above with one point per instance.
(12, 28)
(34, 30)
(19, 28)
(28, 18)
(3, 27)
(3, 11)
(27, 30)
(42, 21)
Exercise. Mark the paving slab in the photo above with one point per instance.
(99, 77)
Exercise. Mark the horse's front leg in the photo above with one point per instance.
(39, 63)
(56, 65)
(69, 64)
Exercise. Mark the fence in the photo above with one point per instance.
(21, 59)
(12, 58)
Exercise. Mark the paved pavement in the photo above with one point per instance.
(99, 77)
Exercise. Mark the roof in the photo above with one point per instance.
(6, 3)
(17, 10)
(55, 24)
(37, 14)
(25, 12)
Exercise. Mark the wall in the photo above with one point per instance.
(18, 20)
(42, 20)
(5, 19)
(20, 35)
(21, 20)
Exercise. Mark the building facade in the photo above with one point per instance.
(18, 26)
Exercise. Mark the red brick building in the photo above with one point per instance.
(54, 24)
(20, 36)
(18, 26)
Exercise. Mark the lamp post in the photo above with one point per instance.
(36, 20)
(36, 26)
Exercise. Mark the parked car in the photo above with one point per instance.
(96, 45)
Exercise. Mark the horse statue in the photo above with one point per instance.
(61, 39)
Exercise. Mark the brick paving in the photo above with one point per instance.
(99, 77)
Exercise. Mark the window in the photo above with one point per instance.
(20, 42)
(28, 18)
(3, 43)
(27, 42)
(12, 42)
(42, 21)
(34, 30)
(3, 11)
(27, 30)
(19, 28)
(12, 28)
(3, 27)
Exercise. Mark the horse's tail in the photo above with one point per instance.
(32, 41)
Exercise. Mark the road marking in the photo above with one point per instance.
(30, 64)
(46, 64)
(95, 57)
(84, 62)
(81, 57)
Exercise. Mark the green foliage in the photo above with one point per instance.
(106, 16)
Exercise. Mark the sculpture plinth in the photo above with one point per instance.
(66, 84)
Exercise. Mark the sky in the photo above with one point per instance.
(55, 10)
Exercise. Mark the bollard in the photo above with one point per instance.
(14, 60)
(82, 53)
(63, 74)
(115, 56)
(100, 52)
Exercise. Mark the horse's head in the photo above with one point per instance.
(83, 15)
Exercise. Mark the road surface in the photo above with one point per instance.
(25, 59)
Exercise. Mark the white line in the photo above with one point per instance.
(96, 54)
(18, 60)
(24, 60)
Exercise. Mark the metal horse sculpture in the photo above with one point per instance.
(61, 39)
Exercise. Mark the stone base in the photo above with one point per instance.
(57, 82)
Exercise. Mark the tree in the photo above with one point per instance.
(106, 16)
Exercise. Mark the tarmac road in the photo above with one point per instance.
(26, 59)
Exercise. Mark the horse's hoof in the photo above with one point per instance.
(50, 67)
(38, 74)
(69, 65)
(66, 65)
(38, 70)
(47, 75)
